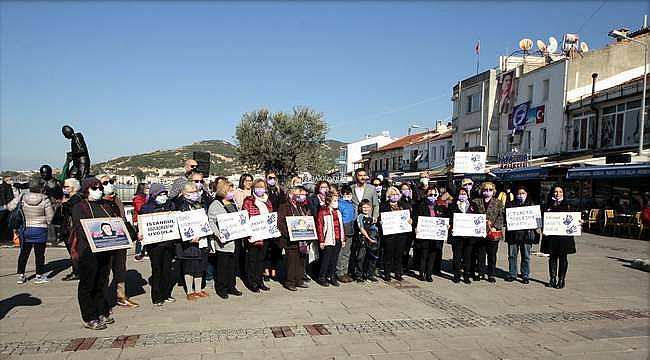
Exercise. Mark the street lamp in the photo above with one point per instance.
(621, 34)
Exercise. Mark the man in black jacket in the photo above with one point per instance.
(6, 195)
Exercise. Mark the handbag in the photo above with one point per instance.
(495, 235)
(16, 219)
(73, 240)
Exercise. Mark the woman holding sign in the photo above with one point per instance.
(227, 252)
(489, 245)
(256, 204)
(193, 254)
(393, 243)
(160, 253)
(296, 250)
(520, 240)
(462, 246)
(428, 250)
(558, 246)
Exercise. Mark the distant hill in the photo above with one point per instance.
(223, 158)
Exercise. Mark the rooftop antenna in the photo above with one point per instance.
(583, 47)
(552, 45)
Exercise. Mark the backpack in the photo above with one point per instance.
(16, 219)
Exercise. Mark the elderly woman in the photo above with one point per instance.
(427, 250)
(393, 244)
(296, 251)
(71, 196)
(193, 254)
(489, 205)
(226, 252)
(118, 261)
(94, 268)
(38, 212)
(256, 204)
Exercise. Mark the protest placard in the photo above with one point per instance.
(105, 234)
(469, 225)
(193, 224)
(432, 228)
(395, 222)
(523, 217)
(233, 226)
(264, 227)
(301, 228)
(158, 227)
(469, 162)
(562, 223)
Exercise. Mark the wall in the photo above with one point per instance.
(354, 151)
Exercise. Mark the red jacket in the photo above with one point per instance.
(337, 231)
(250, 206)
(138, 202)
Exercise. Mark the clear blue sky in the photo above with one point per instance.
(136, 77)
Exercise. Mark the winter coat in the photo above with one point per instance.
(138, 202)
(558, 244)
(37, 208)
(423, 210)
(329, 226)
(250, 205)
(526, 236)
(493, 213)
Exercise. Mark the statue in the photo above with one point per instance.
(51, 186)
(78, 154)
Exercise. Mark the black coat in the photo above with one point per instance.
(453, 209)
(558, 244)
(528, 236)
(153, 207)
(423, 210)
(188, 250)
(385, 207)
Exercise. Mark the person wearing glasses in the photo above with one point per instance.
(118, 261)
(489, 245)
(273, 253)
(177, 186)
(256, 204)
(317, 200)
(94, 268)
(244, 189)
(71, 196)
(206, 198)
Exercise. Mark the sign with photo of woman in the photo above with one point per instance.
(105, 234)
(301, 228)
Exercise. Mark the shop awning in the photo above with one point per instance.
(611, 171)
(529, 173)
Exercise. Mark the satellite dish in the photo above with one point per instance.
(552, 44)
(525, 44)
(541, 46)
(584, 47)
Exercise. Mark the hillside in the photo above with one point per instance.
(223, 158)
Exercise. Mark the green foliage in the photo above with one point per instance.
(284, 142)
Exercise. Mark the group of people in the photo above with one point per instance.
(350, 243)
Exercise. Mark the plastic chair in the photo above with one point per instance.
(593, 217)
(610, 218)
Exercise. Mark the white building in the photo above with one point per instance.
(430, 152)
(353, 152)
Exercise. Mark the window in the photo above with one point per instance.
(376, 168)
(433, 153)
(472, 139)
(621, 124)
(386, 166)
(442, 152)
(547, 89)
(531, 92)
(542, 138)
(584, 131)
(474, 103)
(526, 143)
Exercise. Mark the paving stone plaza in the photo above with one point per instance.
(603, 313)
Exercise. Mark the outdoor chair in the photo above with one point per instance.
(593, 217)
(610, 218)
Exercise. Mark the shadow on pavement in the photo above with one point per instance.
(23, 299)
(53, 268)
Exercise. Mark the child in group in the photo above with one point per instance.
(347, 210)
(331, 235)
(368, 243)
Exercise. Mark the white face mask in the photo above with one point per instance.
(94, 195)
(347, 197)
(109, 189)
(334, 204)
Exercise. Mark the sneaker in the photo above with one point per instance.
(170, 300)
(146, 257)
(106, 319)
(160, 303)
(372, 278)
(21, 279)
(40, 279)
(95, 325)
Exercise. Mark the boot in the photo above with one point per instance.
(122, 299)
(552, 271)
(551, 283)
(560, 284)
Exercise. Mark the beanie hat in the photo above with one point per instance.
(156, 189)
(88, 183)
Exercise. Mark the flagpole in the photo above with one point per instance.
(478, 55)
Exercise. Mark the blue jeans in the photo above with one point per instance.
(513, 250)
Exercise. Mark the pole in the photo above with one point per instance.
(645, 75)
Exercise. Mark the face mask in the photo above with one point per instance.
(462, 198)
(347, 197)
(407, 193)
(323, 191)
(432, 198)
(260, 191)
(146, 192)
(300, 198)
(109, 189)
(394, 198)
(66, 192)
(467, 187)
(378, 188)
(334, 204)
(488, 193)
(271, 182)
(230, 195)
(94, 195)
(557, 199)
(424, 181)
(521, 198)
(161, 199)
(199, 186)
(193, 197)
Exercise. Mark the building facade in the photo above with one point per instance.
(350, 155)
